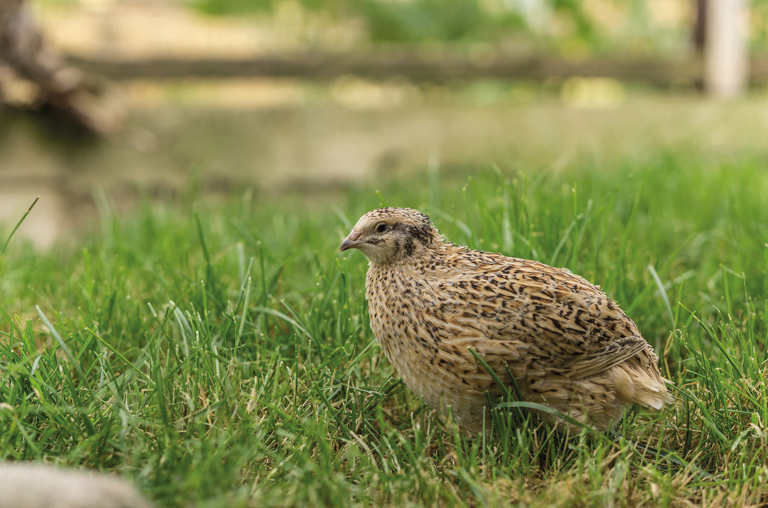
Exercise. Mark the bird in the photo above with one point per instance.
(552, 335)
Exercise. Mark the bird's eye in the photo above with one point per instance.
(381, 228)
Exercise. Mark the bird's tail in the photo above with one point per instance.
(638, 380)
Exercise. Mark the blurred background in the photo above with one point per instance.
(104, 103)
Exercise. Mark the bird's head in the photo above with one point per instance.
(389, 235)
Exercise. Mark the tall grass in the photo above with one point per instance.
(222, 356)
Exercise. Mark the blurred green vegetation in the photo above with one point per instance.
(411, 21)
(574, 27)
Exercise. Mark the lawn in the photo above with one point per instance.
(220, 355)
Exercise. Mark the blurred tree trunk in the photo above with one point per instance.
(25, 55)
(726, 62)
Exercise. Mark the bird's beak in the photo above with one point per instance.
(351, 241)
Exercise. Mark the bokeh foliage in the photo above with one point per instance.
(577, 26)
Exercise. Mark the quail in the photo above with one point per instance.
(566, 344)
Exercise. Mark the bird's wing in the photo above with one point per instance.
(579, 330)
(567, 325)
(611, 355)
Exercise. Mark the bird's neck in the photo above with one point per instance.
(410, 280)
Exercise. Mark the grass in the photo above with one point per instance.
(221, 356)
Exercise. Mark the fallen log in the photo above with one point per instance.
(386, 65)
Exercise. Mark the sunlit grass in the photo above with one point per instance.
(222, 356)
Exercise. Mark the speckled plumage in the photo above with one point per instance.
(565, 342)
